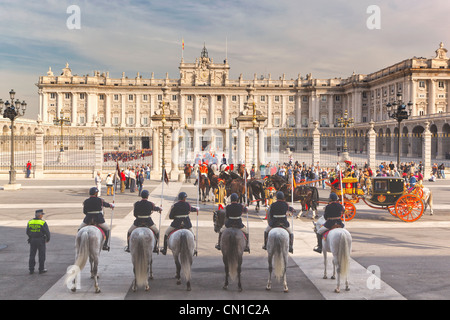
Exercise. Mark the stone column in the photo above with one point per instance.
(39, 165)
(98, 138)
(156, 167)
(261, 146)
(316, 143)
(241, 147)
(174, 155)
(108, 111)
(371, 148)
(426, 151)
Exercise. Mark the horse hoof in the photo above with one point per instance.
(97, 290)
(337, 290)
(147, 288)
(178, 282)
(225, 287)
(333, 277)
(325, 277)
(286, 290)
(73, 289)
(268, 288)
(347, 289)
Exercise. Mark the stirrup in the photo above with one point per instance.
(126, 249)
(317, 249)
(105, 247)
(218, 247)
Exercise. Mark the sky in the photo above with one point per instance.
(323, 37)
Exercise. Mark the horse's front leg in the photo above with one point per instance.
(269, 281)
(178, 266)
(324, 251)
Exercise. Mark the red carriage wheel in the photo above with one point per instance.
(350, 211)
(409, 207)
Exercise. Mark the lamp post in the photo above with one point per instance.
(119, 130)
(345, 122)
(163, 122)
(12, 111)
(61, 122)
(399, 111)
(254, 124)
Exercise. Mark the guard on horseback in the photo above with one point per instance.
(93, 209)
(333, 212)
(277, 218)
(233, 214)
(180, 215)
(203, 171)
(142, 211)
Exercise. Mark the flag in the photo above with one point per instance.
(166, 178)
(182, 44)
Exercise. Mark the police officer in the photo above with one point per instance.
(38, 235)
(93, 209)
(142, 211)
(180, 215)
(333, 212)
(277, 218)
(233, 214)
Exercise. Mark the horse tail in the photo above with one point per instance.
(185, 256)
(82, 257)
(344, 253)
(140, 256)
(232, 255)
(279, 256)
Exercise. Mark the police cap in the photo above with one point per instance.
(182, 196)
(234, 197)
(93, 191)
(144, 194)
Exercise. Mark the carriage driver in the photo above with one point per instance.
(277, 218)
(333, 212)
(233, 214)
(142, 211)
(180, 215)
(93, 209)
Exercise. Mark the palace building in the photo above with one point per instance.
(206, 110)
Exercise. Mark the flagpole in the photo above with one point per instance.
(292, 197)
(198, 206)
(342, 190)
(114, 199)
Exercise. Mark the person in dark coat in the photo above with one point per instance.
(93, 209)
(179, 213)
(333, 212)
(277, 218)
(233, 215)
(38, 235)
(142, 211)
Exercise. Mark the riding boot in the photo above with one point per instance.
(247, 247)
(291, 243)
(218, 241)
(164, 250)
(127, 248)
(105, 244)
(156, 248)
(195, 183)
(266, 235)
(319, 243)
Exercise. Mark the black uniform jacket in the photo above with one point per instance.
(277, 214)
(333, 211)
(93, 209)
(180, 215)
(38, 229)
(233, 213)
(142, 211)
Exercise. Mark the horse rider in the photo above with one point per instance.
(142, 211)
(38, 235)
(93, 209)
(233, 214)
(332, 215)
(203, 171)
(179, 213)
(277, 218)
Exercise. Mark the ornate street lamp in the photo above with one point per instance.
(400, 111)
(61, 122)
(345, 122)
(12, 111)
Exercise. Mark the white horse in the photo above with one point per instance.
(277, 250)
(142, 241)
(182, 244)
(89, 243)
(339, 243)
(427, 199)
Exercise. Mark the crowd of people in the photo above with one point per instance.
(131, 178)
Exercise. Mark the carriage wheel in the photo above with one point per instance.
(409, 207)
(418, 192)
(350, 211)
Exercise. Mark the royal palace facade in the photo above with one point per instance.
(249, 119)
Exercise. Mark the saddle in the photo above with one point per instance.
(335, 226)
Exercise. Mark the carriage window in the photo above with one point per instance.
(381, 186)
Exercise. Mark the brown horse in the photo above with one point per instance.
(307, 195)
(187, 172)
(204, 188)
